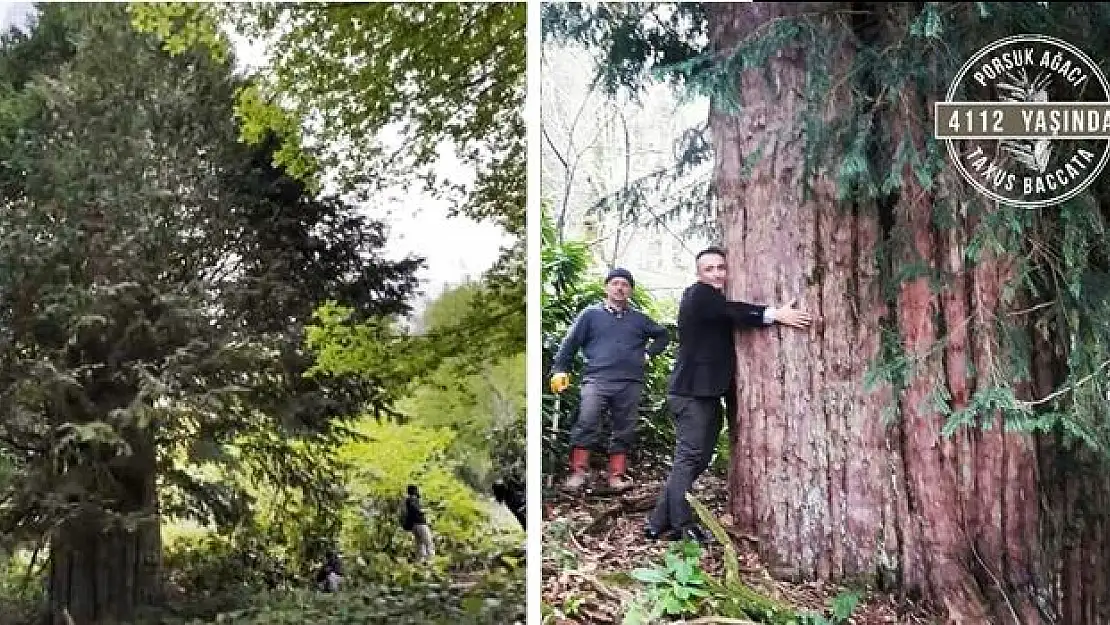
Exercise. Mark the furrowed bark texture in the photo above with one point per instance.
(102, 572)
(833, 488)
(819, 510)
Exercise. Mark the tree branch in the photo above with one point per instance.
(1065, 389)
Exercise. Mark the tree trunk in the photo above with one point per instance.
(102, 571)
(792, 483)
(833, 488)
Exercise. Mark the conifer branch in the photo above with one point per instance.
(1071, 387)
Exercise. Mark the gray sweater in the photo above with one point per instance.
(614, 344)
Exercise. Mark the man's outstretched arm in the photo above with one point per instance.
(745, 314)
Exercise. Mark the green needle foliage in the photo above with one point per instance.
(1062, 255)
(189, 333)
(129, 270)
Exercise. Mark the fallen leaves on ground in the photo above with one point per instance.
(593, 540)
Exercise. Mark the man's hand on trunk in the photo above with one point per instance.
(789, 315)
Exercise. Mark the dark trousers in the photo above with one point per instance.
(622, 399)
(698, 423)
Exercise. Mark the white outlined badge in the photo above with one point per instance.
(1027, 121)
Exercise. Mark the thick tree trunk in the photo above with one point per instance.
(1076, 527)
(105, 563)
(102, 577)
(800, 401)
(103, 571)
(832, 487)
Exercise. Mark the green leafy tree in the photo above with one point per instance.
(418, 455)
(437, 379)
(457, 422)
(342, 79)
(480, 381)
(133, 254)
(436, 72)
(487, 411)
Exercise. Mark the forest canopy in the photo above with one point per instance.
(205, 353)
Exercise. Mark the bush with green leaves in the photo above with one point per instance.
(674, 589)
(435, 602)
(416, 455)
(21, 589)
(679, 587)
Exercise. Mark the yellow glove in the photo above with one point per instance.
(560, 382)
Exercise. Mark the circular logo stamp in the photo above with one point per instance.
(1027, 121)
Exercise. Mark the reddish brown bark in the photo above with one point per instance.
(811, 470)
(931, 460)
(830, 490)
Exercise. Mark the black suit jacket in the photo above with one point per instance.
(706, 361)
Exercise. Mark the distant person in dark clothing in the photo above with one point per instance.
(614, 338)
(513, 497)
(330, 574)
(416, 523)
(704, 374)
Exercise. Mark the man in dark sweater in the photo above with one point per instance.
(615, 339)
(704, 374)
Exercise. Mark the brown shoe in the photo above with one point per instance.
(579, 462)
(618, 481)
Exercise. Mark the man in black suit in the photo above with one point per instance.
(704, 373)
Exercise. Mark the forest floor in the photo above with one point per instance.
(593, 541)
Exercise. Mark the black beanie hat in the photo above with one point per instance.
(620, 273)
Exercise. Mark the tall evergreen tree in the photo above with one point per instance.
(944, 428)
(154, 277)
